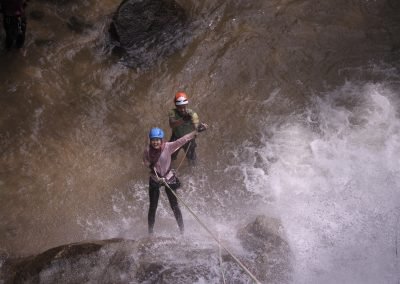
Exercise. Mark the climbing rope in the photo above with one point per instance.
(220, 262)
(212, 235)
(397, 245)
(187, 150)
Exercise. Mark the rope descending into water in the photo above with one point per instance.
(397, 245)
(220, 262)
(212, 235)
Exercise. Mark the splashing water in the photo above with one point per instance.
(336, 179)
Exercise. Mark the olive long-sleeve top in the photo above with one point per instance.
(181, 127)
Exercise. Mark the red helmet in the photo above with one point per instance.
(181, 99)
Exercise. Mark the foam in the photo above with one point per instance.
(336, 181)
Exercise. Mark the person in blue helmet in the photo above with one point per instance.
(14, 21)
(157, 157)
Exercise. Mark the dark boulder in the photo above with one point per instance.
(149, 260)
(144, 31)
(158, 260)
(266, 238)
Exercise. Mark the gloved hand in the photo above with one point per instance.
(187, 117)
(202, 127)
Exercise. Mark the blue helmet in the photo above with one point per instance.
(156, 132)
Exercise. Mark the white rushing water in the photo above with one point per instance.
(336, 181)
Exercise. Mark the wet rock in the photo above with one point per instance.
(36, 15)
(143, 32)
(156, 260)
(59, 2)
(52, 266)
(160, 260)
(266, 238)
(77, 24)
(43, 42)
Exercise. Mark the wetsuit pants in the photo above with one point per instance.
(15, 27)
(189, 148)
(154, 194)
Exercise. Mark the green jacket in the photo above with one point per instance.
(187, 126)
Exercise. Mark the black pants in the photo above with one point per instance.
(189, 148)
(15, 28)
(154, 194)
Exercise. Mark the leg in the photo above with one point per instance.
(173, 201)
(190, 149)
(154, 194)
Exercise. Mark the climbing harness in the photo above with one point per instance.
(211, 233)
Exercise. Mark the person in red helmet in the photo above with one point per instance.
(182, 121)
(14, 21)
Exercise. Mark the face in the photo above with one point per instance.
(155, 143)
(181, 109)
